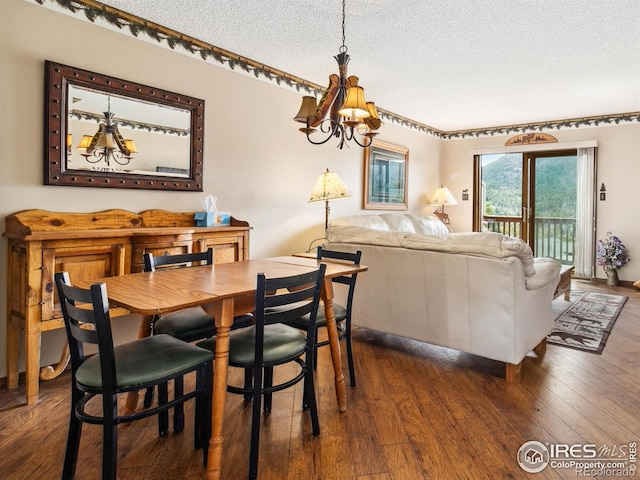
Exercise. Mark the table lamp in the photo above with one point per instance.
(441, 197)
(329, 186)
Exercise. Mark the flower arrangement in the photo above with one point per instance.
(611, 253)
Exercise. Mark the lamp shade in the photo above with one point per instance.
(307, 109)
(130, 145)
(373, 121)
(85, 142)
(329, 186)
(442, 196)
(354, 107)
(105, 140)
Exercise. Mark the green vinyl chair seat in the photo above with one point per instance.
(144, 361)
(281, 343)
(193, 324)
(321, 321)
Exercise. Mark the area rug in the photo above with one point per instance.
(585, 322)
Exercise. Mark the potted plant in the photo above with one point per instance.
(612, 255)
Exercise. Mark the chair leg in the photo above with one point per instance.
(268, 383)
(314, 360)
(198, 431)
(255, 424)
(204, 383)
(163, 417)
(73, 439)
(248, 381)
(109, 438)
(352, 371)
(148, 397)
(310, 400)
(178, 410)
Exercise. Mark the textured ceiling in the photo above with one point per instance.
(450, 64)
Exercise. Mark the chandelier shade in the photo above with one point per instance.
(307, 109)
(354, 108)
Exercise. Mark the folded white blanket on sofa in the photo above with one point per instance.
(486, 244)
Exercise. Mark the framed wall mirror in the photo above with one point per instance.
(385, 176)
(102, 131)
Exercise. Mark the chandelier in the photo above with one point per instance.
(350, 116)
(107, 144)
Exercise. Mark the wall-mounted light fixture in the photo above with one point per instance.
(465, 195)
(603, 192)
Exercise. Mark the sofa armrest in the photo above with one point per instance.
(547, 272)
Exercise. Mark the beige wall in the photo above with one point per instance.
(256, 162)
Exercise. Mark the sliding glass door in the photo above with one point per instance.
(529, 195)
(552, 200)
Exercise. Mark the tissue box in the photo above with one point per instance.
(212, 219)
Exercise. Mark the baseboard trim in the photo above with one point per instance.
(21, 380)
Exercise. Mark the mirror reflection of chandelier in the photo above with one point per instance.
(107, 144)
(350, 116)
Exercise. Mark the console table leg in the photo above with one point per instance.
(32, 343)
(13, 352)
(50, 372)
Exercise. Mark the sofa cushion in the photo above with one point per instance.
(364, 236)
(409, 223)
(396, 222)
(375, 222)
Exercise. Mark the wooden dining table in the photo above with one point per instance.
(223, 290)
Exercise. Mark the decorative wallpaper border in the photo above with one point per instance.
(94, 10)
(132, 124)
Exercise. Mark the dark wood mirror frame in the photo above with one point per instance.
(57, 80)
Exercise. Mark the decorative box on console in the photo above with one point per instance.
(212, 219)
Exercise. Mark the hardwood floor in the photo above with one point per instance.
(418, 411)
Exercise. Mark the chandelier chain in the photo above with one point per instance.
(343, 48)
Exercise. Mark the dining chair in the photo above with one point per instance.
(127, 367)
(189, 324)
(342, 313)
(270, 342)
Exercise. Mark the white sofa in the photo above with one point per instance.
(480, 293)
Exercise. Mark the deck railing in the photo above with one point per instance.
(553, 237)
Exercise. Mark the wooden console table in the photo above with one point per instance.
(89, 246)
